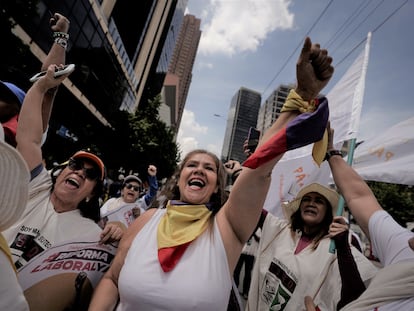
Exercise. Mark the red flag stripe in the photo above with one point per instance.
(169, 256)
(276, 145)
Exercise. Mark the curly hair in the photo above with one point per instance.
(170, 191)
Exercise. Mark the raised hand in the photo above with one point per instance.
(152, 170)
(232, 166)
(59, 23)
(49, 81)
(313, 70)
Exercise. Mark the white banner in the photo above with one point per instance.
(346, 97)
(388, 157)
(53, 278)
(289, 176)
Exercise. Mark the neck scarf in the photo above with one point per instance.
(181, 224)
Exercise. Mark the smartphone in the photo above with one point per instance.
(66, 69)
(253, 138)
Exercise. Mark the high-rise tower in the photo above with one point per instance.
(243, 113)
(181, 65)
(270, 110)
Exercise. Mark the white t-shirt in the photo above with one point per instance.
(390, 246)
(113, 204)
(115, 209)
(41, 226)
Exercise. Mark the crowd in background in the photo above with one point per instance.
(193, 242)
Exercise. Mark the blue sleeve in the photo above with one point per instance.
(36, 171)
(152, 191)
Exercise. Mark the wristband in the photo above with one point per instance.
(331, 153)
(59, 34)
(235, 174)
(62, 42)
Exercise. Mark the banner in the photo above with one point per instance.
(288, 177)
(388, 157)
(55, 278)
(346, 97)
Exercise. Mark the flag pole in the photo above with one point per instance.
(357, 104)
(341, 202)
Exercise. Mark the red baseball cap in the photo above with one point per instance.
(94, 158)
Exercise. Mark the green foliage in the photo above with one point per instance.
(142, 139)
(396, 199)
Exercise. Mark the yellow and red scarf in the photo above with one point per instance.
(181, 224)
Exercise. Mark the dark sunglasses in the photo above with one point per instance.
(130, 186)
(78, 164)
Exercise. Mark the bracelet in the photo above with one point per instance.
(236, 174)
(331, 153)
(59, 34)
(62, 42)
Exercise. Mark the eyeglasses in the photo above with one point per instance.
(130, 186)
(78, 164)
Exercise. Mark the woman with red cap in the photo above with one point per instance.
(62, 205)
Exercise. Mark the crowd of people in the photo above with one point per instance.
(183, 246)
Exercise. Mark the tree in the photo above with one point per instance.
(396, 199)
(141, 139)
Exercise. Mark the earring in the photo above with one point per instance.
(87, 199)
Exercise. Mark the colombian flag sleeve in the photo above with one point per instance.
(305, 129)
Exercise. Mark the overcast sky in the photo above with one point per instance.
(255, 44)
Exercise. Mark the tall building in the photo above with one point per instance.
(158, 77)
(116, 51)
(181, 66)
(270, 110)
(172, 37)
(243, 113)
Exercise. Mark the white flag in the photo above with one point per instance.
(388, 157)
(346, 97)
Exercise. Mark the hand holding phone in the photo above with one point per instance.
(253, 139)
(59, 72)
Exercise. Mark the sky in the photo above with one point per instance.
(255, 44)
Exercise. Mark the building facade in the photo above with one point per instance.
(181, 66)
(116, 51)
(270, 110)
(243, 113)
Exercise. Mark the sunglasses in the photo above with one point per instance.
(78, 164)
(130, 186)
